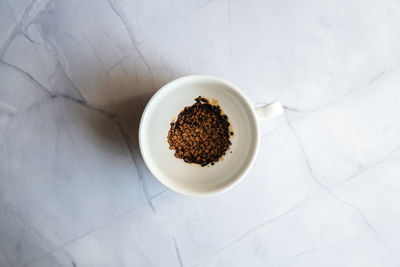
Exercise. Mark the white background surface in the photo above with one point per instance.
(75, 75)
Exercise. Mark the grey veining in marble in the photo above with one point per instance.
(76, 75)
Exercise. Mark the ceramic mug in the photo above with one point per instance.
(193, 179)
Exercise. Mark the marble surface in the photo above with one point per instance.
(76, 75)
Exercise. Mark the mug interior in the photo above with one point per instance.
(192, 179)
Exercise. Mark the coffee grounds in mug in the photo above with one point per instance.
(200, 134)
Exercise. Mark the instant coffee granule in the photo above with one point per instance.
(200, 134)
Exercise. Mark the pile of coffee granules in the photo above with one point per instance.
(200, 134)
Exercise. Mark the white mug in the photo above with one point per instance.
(193, 179)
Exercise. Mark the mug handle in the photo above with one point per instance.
(269, 111)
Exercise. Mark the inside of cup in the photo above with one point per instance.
(192, 178)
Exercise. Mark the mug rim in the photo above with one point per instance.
(252, 155)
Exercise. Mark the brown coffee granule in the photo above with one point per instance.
(200, 134)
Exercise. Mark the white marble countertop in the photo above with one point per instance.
(75, 75)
